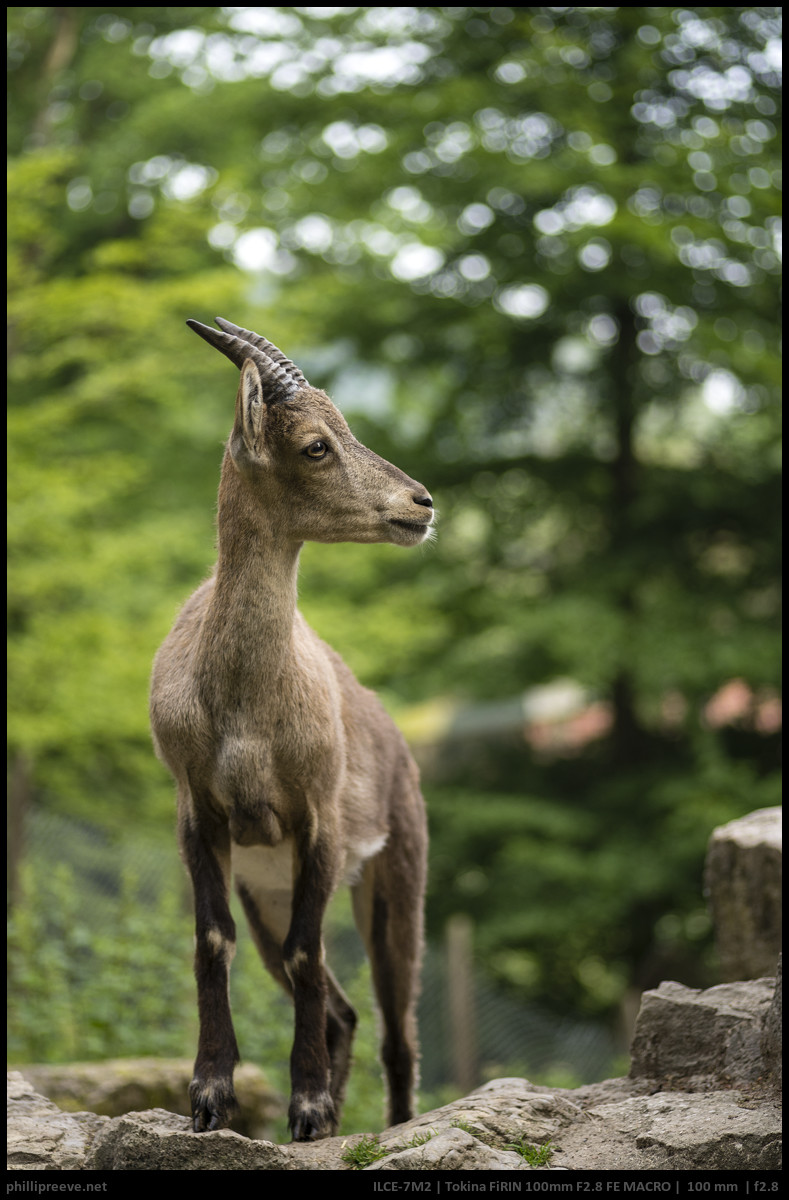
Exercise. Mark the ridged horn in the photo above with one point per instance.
(278, 383)
(268, 348)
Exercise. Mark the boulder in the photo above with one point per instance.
(742, 879)
(118, 1086)
(684, 1034)
(43, 1138)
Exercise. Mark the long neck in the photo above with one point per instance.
(249, 623)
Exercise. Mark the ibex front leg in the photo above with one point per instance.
(312, 1112)
(206, 850)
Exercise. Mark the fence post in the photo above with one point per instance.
(462, 1017)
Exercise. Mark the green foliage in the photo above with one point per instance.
(593, 899)
(536, 264)
(78, 991)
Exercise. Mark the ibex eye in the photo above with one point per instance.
(317, 450)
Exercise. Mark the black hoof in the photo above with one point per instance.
(213, 1104)
(310, 1119)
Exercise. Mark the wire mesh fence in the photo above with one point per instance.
(491, 1034)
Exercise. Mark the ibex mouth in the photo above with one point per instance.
(414, 526)
(410, 533)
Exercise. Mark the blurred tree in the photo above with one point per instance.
(533, 251)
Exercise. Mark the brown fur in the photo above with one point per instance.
(290, 775)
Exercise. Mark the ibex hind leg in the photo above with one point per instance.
(341, 1018)
(388, 903)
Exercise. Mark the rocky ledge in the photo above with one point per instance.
(702, 1094)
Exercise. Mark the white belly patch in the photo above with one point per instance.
(266, 874)
(358, 854)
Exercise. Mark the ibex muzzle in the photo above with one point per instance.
(291, 777)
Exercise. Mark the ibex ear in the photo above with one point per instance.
(247, 437)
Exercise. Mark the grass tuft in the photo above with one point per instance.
(535, 1156)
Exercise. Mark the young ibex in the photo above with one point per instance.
(290, 775)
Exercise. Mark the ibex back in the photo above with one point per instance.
(290, 775)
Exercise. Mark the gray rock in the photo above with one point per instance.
(503, 1110)
(40, 1136)
(161, 1141)
(742, 879)
(682, 1033)
(451, 1150)
(674, 1131)
(771, 1044)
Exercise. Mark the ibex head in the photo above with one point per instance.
(300, 463)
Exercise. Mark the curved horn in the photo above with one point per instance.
(268, 348)
(278, 382)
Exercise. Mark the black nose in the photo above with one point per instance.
(425, 500)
